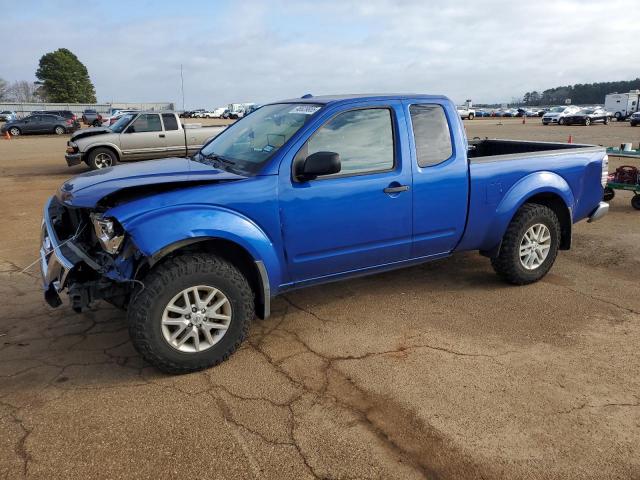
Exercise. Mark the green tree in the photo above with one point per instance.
(65, 78)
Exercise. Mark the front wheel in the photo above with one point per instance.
(471, 116)
(561, 121)
(193, 313)
(14, 131)
(529, 246)
(606, 120)
(587, 121)
(635, 201)
(101, 158)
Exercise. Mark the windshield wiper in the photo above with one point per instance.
(215, 156)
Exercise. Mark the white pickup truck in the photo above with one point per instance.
(137, 136)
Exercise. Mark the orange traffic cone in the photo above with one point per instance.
(7, 135)
(570, 139)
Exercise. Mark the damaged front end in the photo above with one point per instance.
(88, 255)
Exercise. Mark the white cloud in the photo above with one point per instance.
(486, 50)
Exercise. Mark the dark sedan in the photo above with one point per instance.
(587, 116)
(44, 124)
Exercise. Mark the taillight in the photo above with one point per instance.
(74, 118)
(69, 121)
(99, 117)
(605, 170)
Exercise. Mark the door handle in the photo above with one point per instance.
(397, 189)
(161, 135)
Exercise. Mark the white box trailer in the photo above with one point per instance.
(622, 105)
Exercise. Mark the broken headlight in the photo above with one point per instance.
(109, 233)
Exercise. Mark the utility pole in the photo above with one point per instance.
(182, 82)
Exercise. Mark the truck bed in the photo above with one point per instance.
(499, 149)
(497, 188)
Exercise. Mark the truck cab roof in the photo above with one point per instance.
(347, 98)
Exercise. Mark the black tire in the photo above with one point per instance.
(587, 121)
(618, 116)
(633, 124)
(561, 121)
(608, 195)
(95, 159)
(471, 116)
(96, 123)
(606, 120)
(169, 279)
(508, 264)
(635, 201)
(59, 130)
(14, 132)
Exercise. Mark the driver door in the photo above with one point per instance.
(144, 139)
(355, 219)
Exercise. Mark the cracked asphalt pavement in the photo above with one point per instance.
(439, 371)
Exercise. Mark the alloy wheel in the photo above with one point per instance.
(535, 246)
(196, 319)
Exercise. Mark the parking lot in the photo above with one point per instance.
(437, 371)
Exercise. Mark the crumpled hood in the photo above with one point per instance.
(88, 189)
(89, 132)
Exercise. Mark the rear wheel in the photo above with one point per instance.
(618, 116)
(471, 116)
(635, 201)
(193, 313)
(529, 246)
(59, 130)
(101, 158)
(96, 123)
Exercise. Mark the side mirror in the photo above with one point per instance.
(318, 164)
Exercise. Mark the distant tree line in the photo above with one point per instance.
(62, 78)
(580, 93)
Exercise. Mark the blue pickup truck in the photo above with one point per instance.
(298, 193)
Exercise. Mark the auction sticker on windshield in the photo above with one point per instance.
(305, 109)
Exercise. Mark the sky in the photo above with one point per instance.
(260, 51)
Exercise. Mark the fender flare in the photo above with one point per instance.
(158, 230)
(543, 182)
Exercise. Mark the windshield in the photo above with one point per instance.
(588, 110)
(121, 124)
(250, 142)
(557, 109)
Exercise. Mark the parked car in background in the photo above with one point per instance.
(635, 119)
(510, 112)
(137, 136)
(40, 123)
(557, 114)
(117, 115)
(68, 114)
(91, 117)
(8, 115)
(482, 113)
(465, 112)
(218, 112)
(194, 249)
(587, 116)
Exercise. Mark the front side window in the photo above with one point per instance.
(431, 134)
(170, 122)
(148, 122)
(363, 139)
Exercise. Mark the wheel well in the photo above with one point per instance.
(230, 251)
(88, 152)
(556, 203)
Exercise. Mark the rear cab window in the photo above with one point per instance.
(431, 134)
(170, 122)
